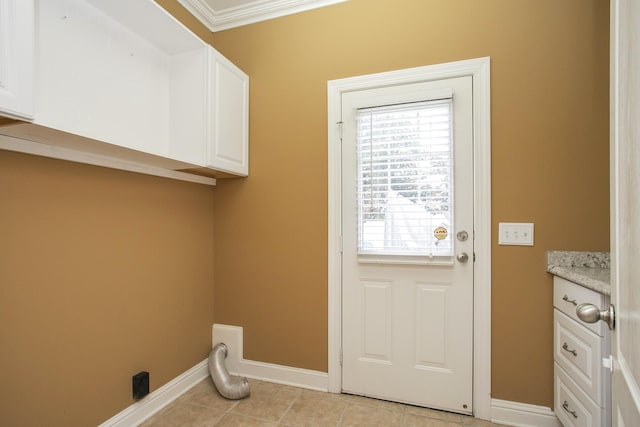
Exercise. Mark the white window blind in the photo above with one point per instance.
(405, 179)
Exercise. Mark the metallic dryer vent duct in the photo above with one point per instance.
(228, 386)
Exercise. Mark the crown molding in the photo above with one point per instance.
(256, 11)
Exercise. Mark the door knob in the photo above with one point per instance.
(591, 314)
(463, 257)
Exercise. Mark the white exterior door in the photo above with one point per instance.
(625, 215)
(407, 221)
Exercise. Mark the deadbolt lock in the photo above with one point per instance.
(462, 235)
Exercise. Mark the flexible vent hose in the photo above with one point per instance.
(228, 386)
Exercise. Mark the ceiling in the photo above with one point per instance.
(224, 14)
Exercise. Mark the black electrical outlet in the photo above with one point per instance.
(140, 383)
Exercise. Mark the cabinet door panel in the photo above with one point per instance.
(228, 136)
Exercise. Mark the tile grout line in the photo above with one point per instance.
(284, 414)
(228, 411)
(344, 411)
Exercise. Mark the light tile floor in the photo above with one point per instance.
(279, 405)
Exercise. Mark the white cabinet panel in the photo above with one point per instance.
(16, 58)
(228, 138)
(188, 89)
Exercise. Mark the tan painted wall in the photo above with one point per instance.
(549, 65)
(103, 274)
(81, 246)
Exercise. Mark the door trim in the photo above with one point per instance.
(479, 70)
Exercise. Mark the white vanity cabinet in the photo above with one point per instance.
(126, 80)
(582, 395)
(16, 59)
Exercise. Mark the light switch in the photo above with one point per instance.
(515, 233)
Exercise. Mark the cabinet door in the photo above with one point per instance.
(228, 117)
(16, 58)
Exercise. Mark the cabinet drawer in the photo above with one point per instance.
(579, 352)
(567, 296)
(571, 405)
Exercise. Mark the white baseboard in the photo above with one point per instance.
(522, 414)
(238, 365)
(155, 401)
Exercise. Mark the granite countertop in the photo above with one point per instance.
(588, 269)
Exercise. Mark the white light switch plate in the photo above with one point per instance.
(515, 233)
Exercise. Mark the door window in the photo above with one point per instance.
(405, 174)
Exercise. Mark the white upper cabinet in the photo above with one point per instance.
(228, 133)
(16, 59)
(126, 79)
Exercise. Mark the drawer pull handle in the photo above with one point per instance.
(565, 347)
(572, 301)
(565, 406)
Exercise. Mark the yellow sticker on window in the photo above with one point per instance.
(440, 233)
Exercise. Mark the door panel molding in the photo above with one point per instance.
(378, 312)
(432, 299)
(479, 70)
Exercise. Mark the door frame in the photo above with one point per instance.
(479, 70)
